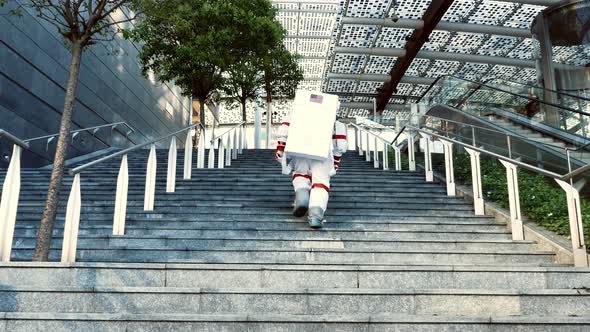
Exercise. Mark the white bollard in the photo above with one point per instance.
(171, 176)
(385, 156)
(575, 221)
(228, 151)
(368, 149)
(188, 156)
(150, 181)
(121, 198)
(514, 201)
(211, 161)
(236, 143)
(478, 202)
(411, 153)
(72, 224)
(360, 141)
(220, 154)
(241, 140)
(398, 158)
(9, 204)
(427, 158)
(201, 150)
(376, 154)
(449, 168)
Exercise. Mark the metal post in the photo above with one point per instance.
(236, 143)
(201, 150)
(368, 149)
(257, 128)
(385, 156)
(72, 223)
(268, 122)
(9, 203)
(121, 199)
(398, 158)
(360, 139)
(376, 155)
(228, 151)
(171, 177)
(220, 154)
(449, 168)
(575, 221)
(150, 180)
(514, 201)
(211, 161)
(427, 158)
(411, 153)
(476, 181)
(241, 140)
(188, 156)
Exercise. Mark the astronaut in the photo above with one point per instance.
(311, 176)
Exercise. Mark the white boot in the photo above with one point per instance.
(301, 202)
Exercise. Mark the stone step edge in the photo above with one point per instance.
(303, 319)
(580, 292)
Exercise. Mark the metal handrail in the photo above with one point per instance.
(499, 132)
(540, 88)
(500, 90)
(95, 128)
(86, 166)
(373, 134)
(226, 132)
(14, 139)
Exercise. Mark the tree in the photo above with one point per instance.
(81, 23)
(244, 81)
(193, 42)
(282, 75)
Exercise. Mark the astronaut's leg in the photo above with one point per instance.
(302, 185)
(320, 188)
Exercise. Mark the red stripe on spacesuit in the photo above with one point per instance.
(338, 136)
(296, 175)
(337, 158)
(286, 123)
(319, 185)
(281, 148)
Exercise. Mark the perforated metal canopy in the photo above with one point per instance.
(349, 46)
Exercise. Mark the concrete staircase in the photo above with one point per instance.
(223, 253)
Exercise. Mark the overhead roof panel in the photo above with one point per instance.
(459, 10)
(492, 13)
(316, 24)
(313, 47)
(418, 67)
(393, 37)
(368, 86)
(523, 17)
(498, 45)
(441, 67)
(348, 63)
(464, 42)
(367, 8)
(380, 64)
(312, 67)
(412, 9)
(289, 20)
(335, 85)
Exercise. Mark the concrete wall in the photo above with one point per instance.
(33, 71)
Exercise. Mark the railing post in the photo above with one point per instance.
(188, 156)
(398, 158)
(150, 180)
(201, 150)
(368, 149)
(211, 161)
(9, 204)
(235, 150)
(478, 203)
(241, 139)
(572, 192)
(72, 223)
(228, 151)
(171, 177)
(220, 154)
(514, 201)
(121, 198)
(449, 168)
(360, 141)
(427, 158)
(376, 155)
(385, 156)
(245, 135)
(411, 153)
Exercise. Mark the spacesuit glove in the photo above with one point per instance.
(278, 155)
(336, 163)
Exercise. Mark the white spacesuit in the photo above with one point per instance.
(311, 175)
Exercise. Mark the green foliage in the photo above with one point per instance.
(193, 42)
(542, 202)
(282, 73)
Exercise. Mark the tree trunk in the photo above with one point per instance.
(48, 219)
(243, 101)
